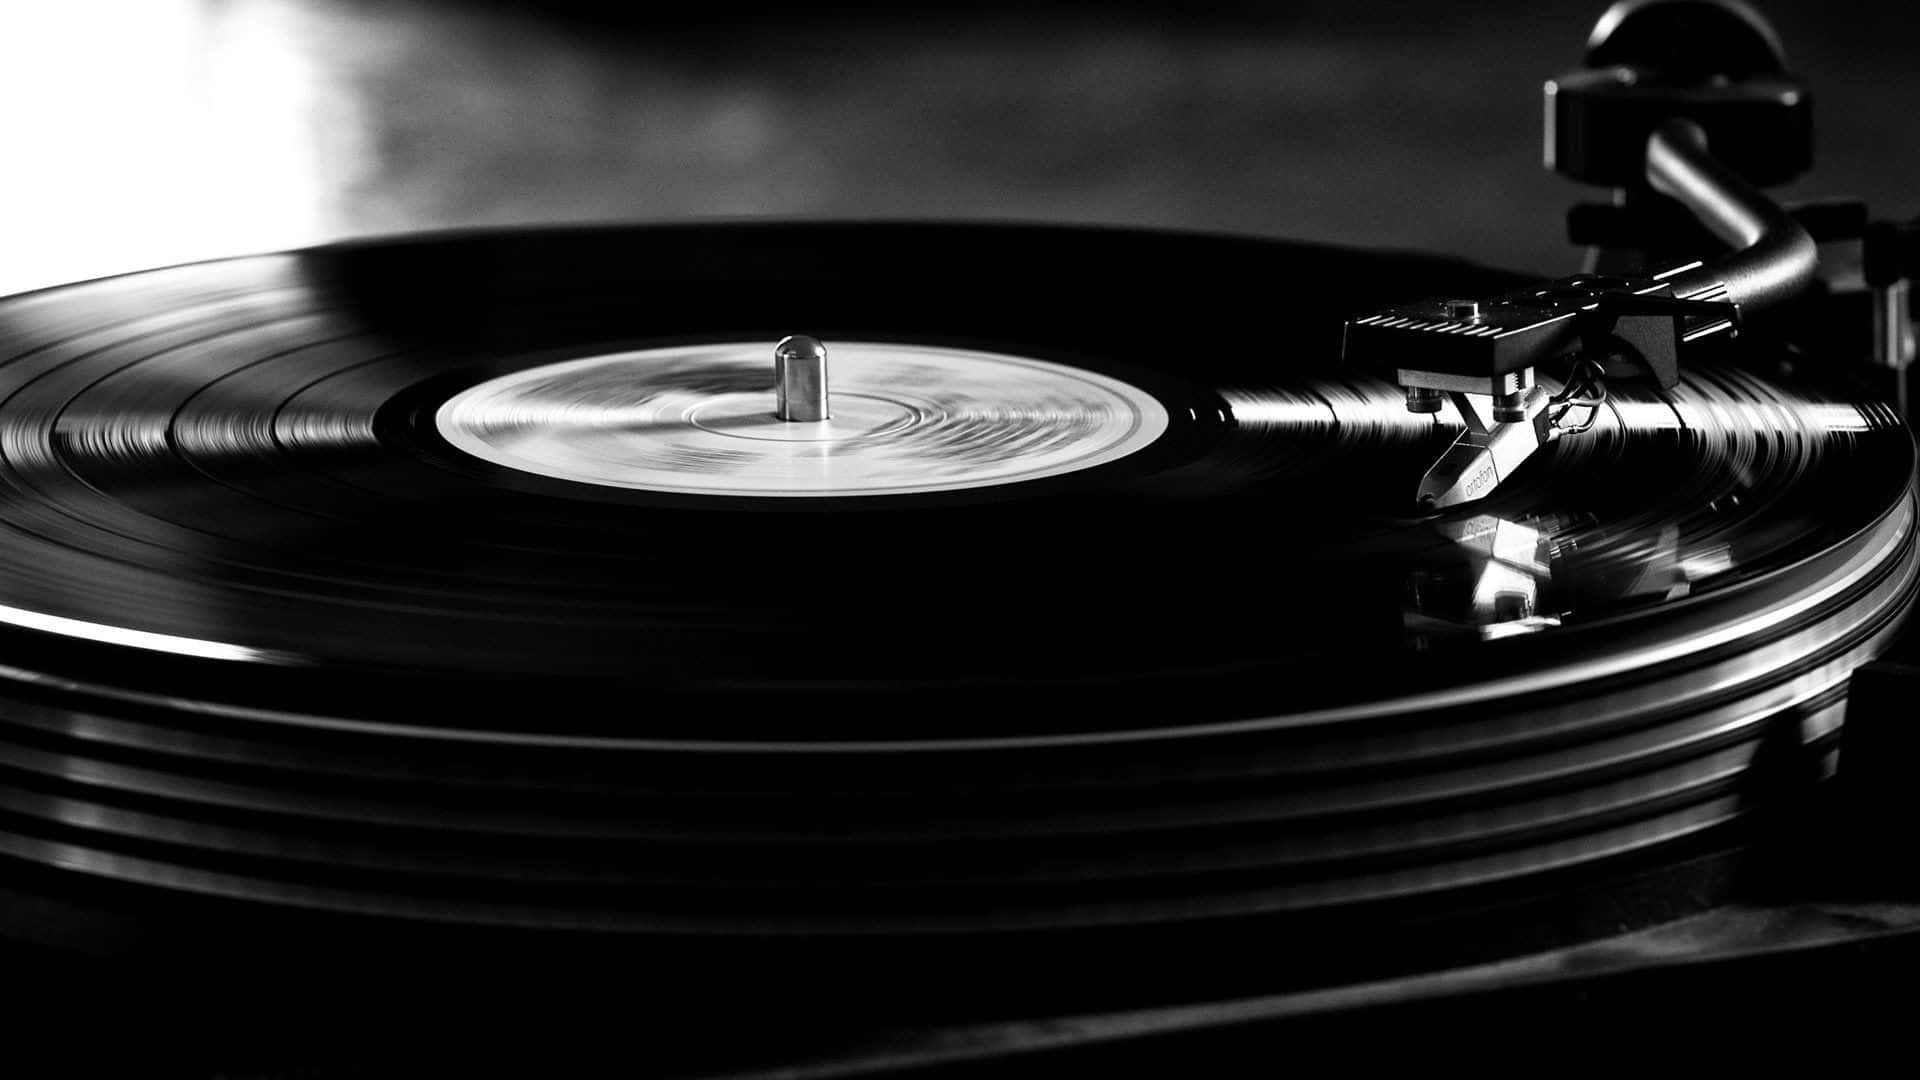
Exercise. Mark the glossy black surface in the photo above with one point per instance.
(240, 453)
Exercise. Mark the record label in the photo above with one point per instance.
(700, 420)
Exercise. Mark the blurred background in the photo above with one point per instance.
(144, 132)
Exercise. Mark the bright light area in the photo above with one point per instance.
(147, 132)
(138, 639)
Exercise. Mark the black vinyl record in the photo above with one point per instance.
(272, 639)
(243, 453)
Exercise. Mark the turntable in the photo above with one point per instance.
(860, 648)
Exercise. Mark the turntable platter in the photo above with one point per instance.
(333, 584)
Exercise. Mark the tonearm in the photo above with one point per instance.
(1684, 107)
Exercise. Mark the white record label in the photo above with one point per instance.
(905, 419)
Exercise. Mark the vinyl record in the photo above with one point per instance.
(467, 580)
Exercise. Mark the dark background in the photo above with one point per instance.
(157, 130)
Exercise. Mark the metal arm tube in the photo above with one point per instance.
(1776, 257)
